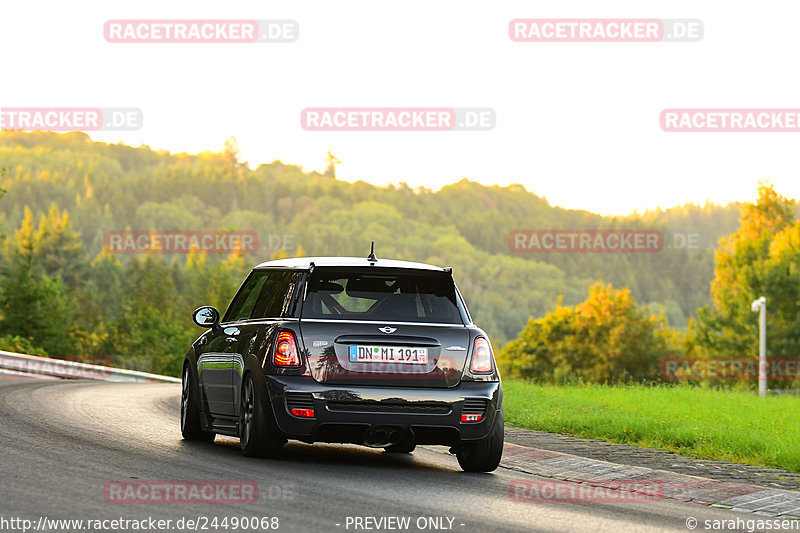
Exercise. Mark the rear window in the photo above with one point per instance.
(372, 294)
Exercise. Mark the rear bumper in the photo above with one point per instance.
(343, 413)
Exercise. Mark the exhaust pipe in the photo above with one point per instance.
(380, 437)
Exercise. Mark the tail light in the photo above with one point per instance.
(286, 353)
(481, 357)
(303, 413)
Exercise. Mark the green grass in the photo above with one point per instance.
(700, 422)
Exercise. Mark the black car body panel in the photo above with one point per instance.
(431, 415)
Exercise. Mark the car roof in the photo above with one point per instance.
(304, 263)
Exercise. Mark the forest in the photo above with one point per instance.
(64, 293)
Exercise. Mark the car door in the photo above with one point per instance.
(223, 347)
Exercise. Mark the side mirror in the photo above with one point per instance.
(206, 317)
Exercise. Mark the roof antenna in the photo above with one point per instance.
(371, 257)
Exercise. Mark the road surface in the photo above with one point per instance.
(64, 442)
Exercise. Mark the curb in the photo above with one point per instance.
(682, 487)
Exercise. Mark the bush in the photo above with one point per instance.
(607, 338)
(17, 344)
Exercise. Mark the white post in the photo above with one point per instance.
(760, 305)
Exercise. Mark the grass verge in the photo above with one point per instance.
(707, 423)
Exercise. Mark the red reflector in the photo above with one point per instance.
(303, 413)
(471, 418)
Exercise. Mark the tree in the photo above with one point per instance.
(605, 338)
(212, 284)
(154, 323)
(332, 161)
(762, 258)
(59, 249)
(231, 151)
(3, 175)
(33, 305)
(98, 305)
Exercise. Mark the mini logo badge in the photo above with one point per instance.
(387, 329)
(318, 344)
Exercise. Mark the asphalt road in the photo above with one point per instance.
(63, 441)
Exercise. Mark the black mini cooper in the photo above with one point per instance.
(333, 349)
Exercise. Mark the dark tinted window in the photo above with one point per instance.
(245, 300)
(275, 295)
(373, 294)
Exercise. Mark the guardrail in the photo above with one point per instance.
(22, 365)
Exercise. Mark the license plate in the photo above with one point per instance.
(388, 354)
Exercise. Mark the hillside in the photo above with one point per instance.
(107, 187)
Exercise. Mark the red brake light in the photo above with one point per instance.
(286, 353)
(471, 418)
(481, 357)
(303, 413)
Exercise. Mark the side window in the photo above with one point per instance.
(244, 302)
(274, 295)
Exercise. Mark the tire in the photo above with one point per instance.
(254, 432)
(484, 455)
(401, 447)
(191, 429)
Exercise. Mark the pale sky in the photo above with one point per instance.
(577, 123)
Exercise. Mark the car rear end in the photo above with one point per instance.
(384, 356)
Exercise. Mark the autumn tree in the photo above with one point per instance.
(605, 338)
(762, 258)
